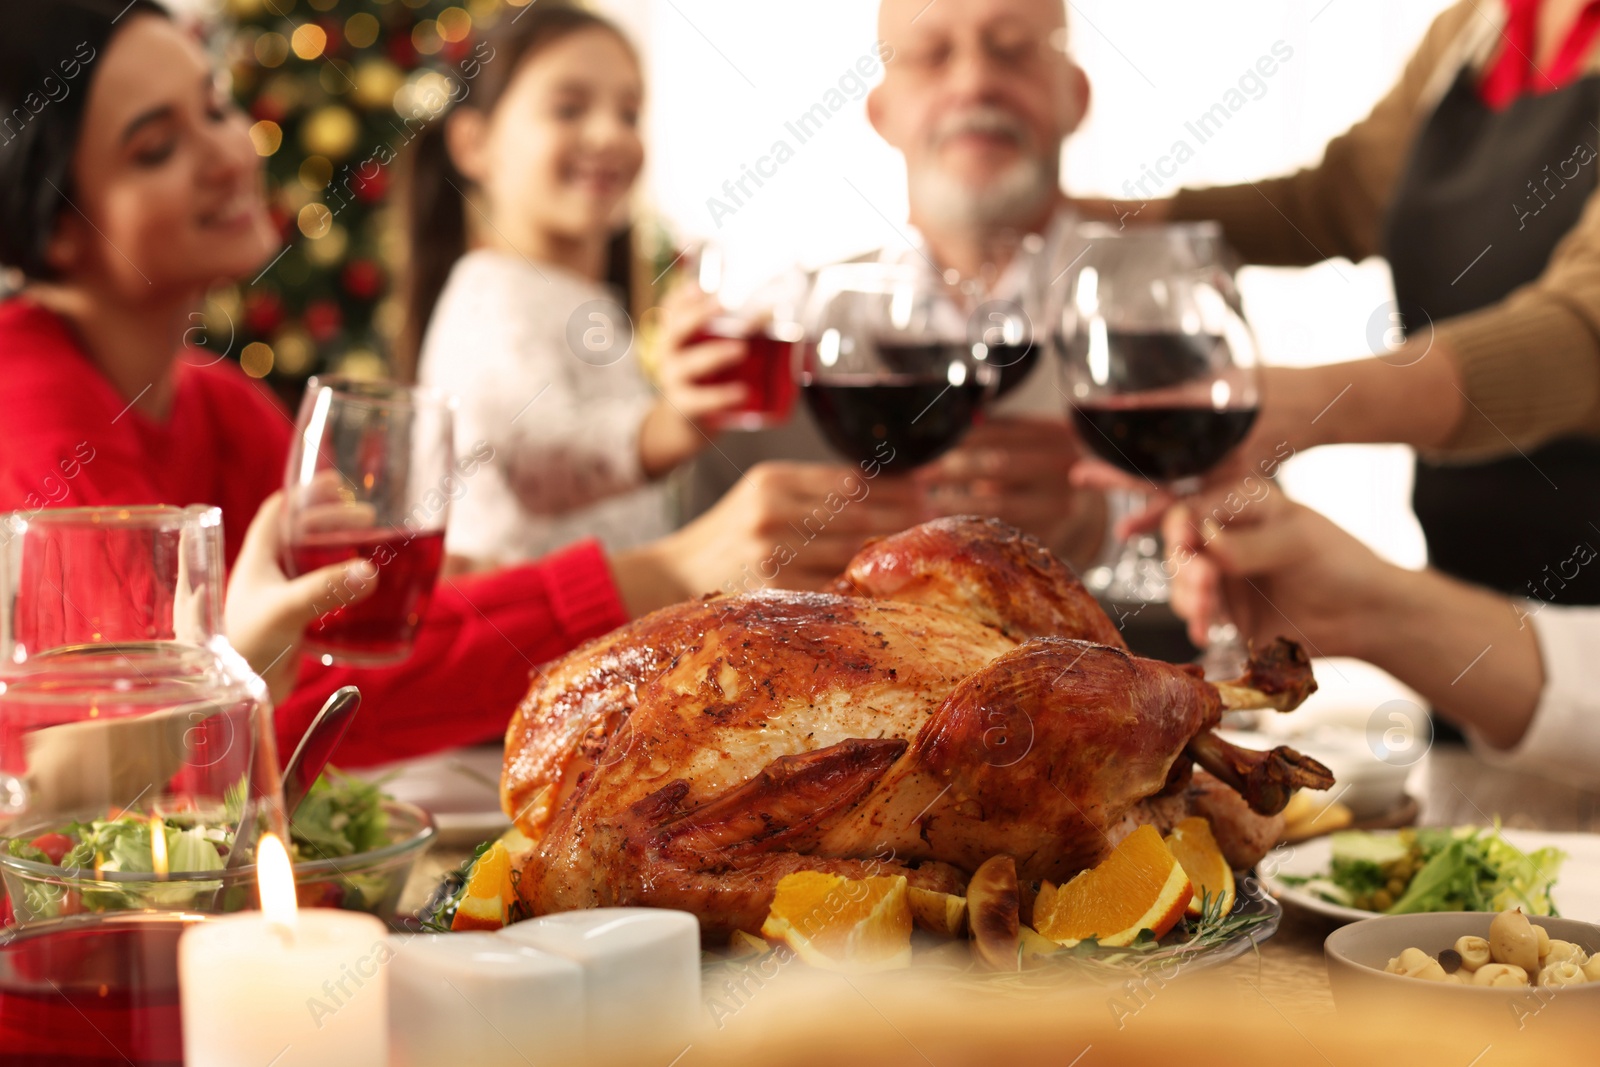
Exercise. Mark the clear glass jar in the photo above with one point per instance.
(122, 701)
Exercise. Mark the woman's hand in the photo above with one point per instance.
(1286, 570)
(266, 612)
(1278, 566)
(784, 525)
(684, 418)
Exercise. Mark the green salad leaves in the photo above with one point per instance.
(1438, 869)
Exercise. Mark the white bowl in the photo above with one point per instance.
(1357, 954)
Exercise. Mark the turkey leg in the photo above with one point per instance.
(1278, 677)
(1266, 780)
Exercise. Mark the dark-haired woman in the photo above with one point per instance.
(547, 147)
(128, 185)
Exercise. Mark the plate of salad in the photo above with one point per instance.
(1357, 874)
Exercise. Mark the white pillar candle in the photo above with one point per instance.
(475, 998)
(284, 987)
(641, 969)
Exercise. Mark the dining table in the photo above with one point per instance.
(1273, 999)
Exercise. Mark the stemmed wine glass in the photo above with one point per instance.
(371, 475)
(766, 322)
(1002, 330)
(887, 367)
(1159, 368)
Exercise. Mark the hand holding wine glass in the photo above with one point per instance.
(764, 328)
(1159, 368)
(266, 612)
(371, 475)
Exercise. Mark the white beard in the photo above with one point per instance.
(1014, 199)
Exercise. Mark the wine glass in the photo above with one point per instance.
(371, 475)
(1159, 368)
(887, 368)
(767, 322)
(1002, 329)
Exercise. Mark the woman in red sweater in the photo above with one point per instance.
(128, 185)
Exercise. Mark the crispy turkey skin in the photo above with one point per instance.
(956, 695)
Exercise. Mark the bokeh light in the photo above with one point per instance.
(256, 359)
(271, 49)
(309, 40)
(454, 24)
(361, 30)
(315, 220)
(315, 172)
(425, 37)
(267, 137)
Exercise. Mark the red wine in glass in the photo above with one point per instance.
(1014, 362)
(766, 372)
(899, 421)
(380, 629)
(1164, 422)
(371, 475)
(1163, 442)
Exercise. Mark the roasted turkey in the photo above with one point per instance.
(956, 694)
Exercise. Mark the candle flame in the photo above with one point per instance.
(158, 845)
(275, 880)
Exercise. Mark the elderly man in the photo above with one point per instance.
(978, 95)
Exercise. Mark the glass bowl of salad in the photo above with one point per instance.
(353, 848)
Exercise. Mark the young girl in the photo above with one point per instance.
(121, 201)
(530, 172)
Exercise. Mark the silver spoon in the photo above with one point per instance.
(304, 767)
(316, 747)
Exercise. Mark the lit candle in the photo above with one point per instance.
(158, 845)
(283, 986)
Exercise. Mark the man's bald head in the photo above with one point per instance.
(896, 17)
(978, 95)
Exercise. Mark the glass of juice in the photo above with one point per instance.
(766, 371)
(767, 323)
(371, 475)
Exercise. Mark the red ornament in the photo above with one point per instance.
(263, 311)
(455, 51)
(322, 319)
(283, 222)
(267, 108)
(370, 190)
(362, 279)
(402, 51)
(335, 37)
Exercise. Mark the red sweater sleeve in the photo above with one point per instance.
(483, 638)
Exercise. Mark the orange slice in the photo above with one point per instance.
(938, 913)
(1192, 842)
(1140, 886)
(486, 903)
(842, 924)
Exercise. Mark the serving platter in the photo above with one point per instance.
(1576, 891)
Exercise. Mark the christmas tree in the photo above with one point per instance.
(334, 89)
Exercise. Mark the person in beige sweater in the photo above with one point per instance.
(1512, 375)
(1476, 177)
